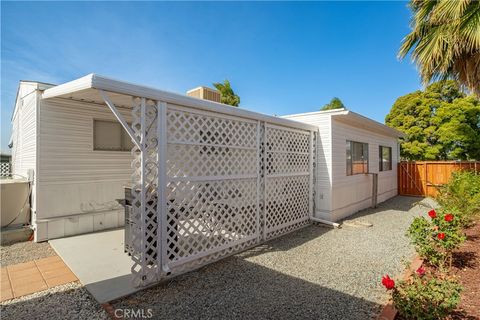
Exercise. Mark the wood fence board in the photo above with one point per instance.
(423, 178)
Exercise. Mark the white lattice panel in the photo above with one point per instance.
(287, 180)
(201, 160)
(212, 191)
(207, 217)
(5, 170)
(195, 128)
(207, 185)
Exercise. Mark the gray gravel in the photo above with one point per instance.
(314, 273)
(69, 301)
(23, 252)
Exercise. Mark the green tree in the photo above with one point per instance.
(335, 103)
(440, 123)
(445, 41)
(228, 96)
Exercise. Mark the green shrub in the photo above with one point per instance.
(436, 237)
(426, 298)
(461, 195)
(420, 234)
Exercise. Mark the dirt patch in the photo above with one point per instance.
(466, 265)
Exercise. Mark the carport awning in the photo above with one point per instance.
(120, 93)
(357, 120)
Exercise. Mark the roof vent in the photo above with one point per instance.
(204, 93)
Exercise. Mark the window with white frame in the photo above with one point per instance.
(385, 158)
(357, 157)
(110, 136)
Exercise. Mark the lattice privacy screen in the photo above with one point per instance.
(5, 169)
(226, 184)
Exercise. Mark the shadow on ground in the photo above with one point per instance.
(313, 273)
(69, 301)
(219, 291)
(399, 203)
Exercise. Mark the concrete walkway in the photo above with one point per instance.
(98, 260)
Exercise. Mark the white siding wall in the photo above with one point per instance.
(24, 134)
(77, 185)
(353, 193)
(324, 160)
(24, 131)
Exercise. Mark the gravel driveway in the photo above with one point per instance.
(23, 252)
(68, 301)
(313, 273)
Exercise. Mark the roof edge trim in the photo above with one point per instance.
(94, 81)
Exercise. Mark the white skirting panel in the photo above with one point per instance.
(78, 224)
(352, 208)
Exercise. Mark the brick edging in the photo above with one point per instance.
(110, 311)
(389, 312)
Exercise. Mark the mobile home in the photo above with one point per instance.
(78, 155)
(356, 162)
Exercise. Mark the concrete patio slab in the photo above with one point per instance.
(98, 261)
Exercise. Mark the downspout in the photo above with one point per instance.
(329, 223)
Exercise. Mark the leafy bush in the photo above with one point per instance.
(462, 196)
(425, 297)
(420, 234)
(435, 238)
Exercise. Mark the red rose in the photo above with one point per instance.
(388, 282)
(441, 236)
(432, 214)
(448, 217)
(421, 271)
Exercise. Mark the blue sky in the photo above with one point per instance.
(280, 57)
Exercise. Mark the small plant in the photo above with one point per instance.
(424, 297)
(461, 195)
(436, 238)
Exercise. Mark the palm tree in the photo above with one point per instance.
(445, 41)
(227, 95)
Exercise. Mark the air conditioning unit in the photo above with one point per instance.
(205, 93)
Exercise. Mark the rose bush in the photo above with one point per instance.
(423, 296)
(388, 282)
(436, 237)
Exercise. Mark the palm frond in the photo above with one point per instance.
(445, 40)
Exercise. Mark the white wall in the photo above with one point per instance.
(77, 186)
(24, 135)
(338, 195)
(353, 193)
(24, 130)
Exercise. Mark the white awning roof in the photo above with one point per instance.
(353, 119)
(120, 93)
(357, 120)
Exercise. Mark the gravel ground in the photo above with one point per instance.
(24, 252)
(314, 273)
(69, 301)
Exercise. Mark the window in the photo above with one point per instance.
(357, 158)
(110, 136)
(385, 158)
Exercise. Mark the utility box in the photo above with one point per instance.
(205, 93)
(14, 202)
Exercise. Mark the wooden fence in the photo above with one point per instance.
(422, 178)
